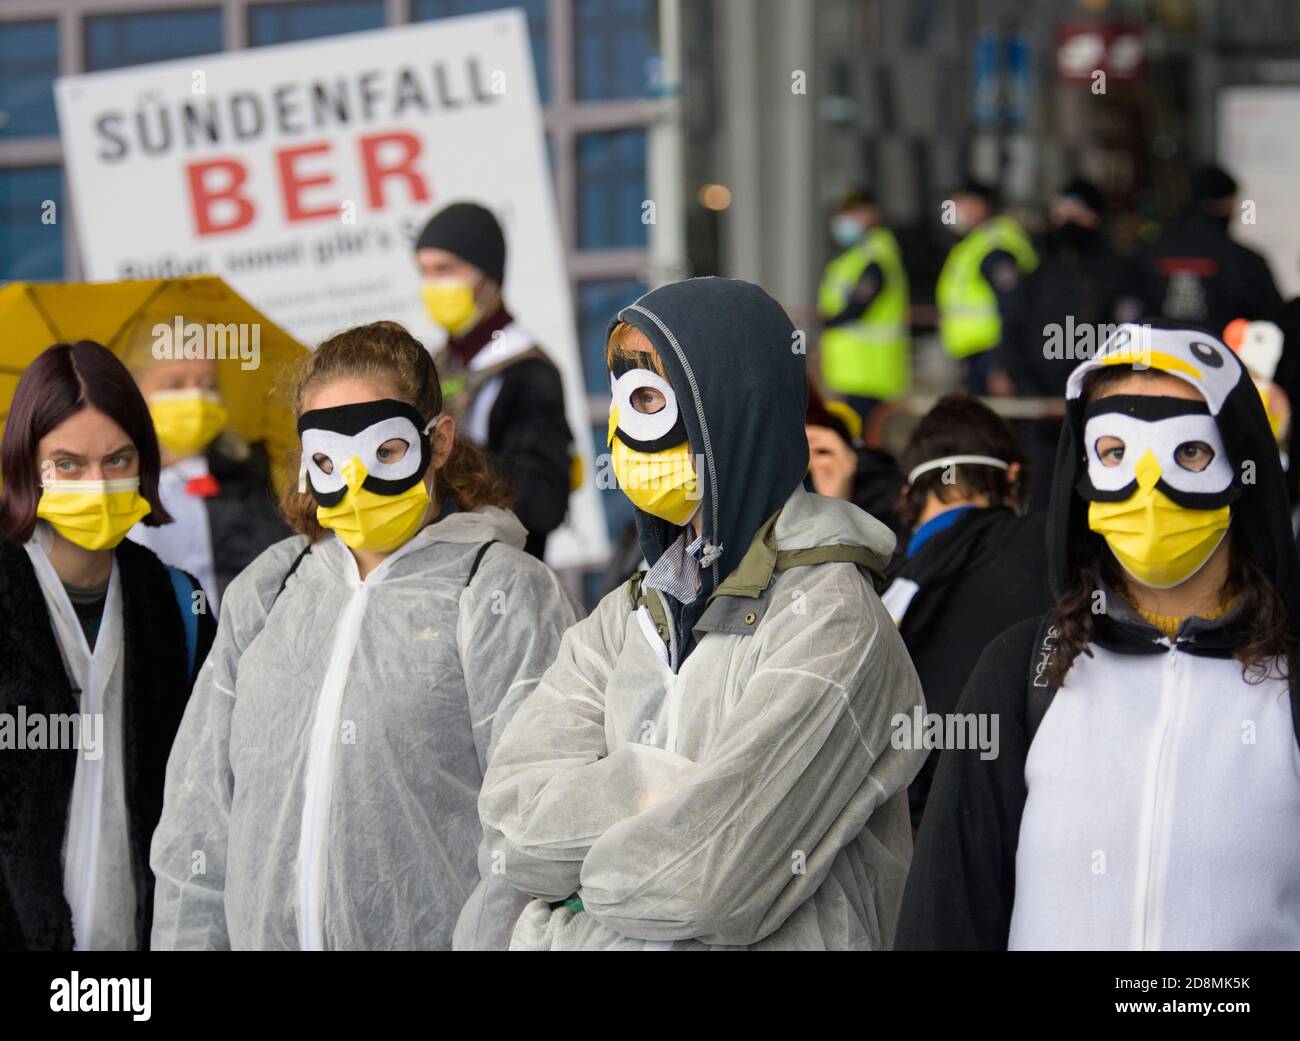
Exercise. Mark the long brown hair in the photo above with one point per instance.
(1269, 648)
(386, 353)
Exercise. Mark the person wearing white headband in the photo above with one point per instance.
(973, 565)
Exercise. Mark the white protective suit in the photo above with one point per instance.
(321, 792)
(754, 798)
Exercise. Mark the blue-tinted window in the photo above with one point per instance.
(615, 48)
(115, 40)
(618, 507)
(425, 10)
(612, 189)
(283, 23)
(29, 248)
(29, 61)
(598, 302)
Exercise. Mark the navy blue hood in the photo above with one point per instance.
(739, 373)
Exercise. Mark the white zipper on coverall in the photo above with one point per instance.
(1153, 788)
(318, 784)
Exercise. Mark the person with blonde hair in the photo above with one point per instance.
(215, 485)
(321, 793)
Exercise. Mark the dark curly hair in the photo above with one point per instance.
(1269, 650)
(960, 425)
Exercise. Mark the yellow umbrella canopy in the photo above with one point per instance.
(163, 319)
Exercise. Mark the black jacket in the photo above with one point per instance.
(529, 438)
(1217, 279)
(36, 785)
(242, 518)
(977, 578)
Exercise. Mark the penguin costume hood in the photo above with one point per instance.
(1250, 480)
(742, 390)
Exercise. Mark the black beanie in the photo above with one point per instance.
(1211, 183)
(470, 232)
(1087, 193)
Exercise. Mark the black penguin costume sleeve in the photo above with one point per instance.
(962, 885)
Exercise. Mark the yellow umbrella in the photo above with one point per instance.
(170, 317)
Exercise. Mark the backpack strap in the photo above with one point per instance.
(1039, 693)
(478, 559)
(184, 591)
(285, 581)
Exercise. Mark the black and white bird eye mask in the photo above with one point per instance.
(1182, 435)
(331, 437)
(645, 431)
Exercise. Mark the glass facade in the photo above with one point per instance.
(535, 10)
(615, 48)
(284, 23)
(612, 205)
(31, 214)
(117, 40)
(29, 61)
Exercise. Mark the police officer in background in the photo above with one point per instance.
(977, 282)
(502, 389)
(865, 348)
(1196, 273)
(1080, 282)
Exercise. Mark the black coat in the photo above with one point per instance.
(529, 439)
(242, 518)
(36, 785)
(1219, 279)
(977, 579)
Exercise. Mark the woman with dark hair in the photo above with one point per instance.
(99, 642)
(328, 768)
(1146, 790)
(973, 565)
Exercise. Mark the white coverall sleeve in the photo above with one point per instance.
(511, 621)
(791, 778)
(552, 787)
(188, 852)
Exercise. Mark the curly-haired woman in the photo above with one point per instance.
(322, 790)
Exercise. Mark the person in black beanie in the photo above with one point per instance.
(502, 389)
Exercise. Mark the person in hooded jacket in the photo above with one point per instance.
(708, 762)
(973, 565)
(325, 776)
(1146, 794)
(216, 487)
(98, 646)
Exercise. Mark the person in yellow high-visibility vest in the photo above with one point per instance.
(865, 346)
(978, 279)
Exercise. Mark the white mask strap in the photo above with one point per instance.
(956, 460)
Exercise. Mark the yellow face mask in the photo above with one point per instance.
(94, 515)
(450, 303)
(366, 520)
(1158, 542)
(660, 483)
(187, 420)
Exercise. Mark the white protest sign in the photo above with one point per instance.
(1258, 146)
(303, 173)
